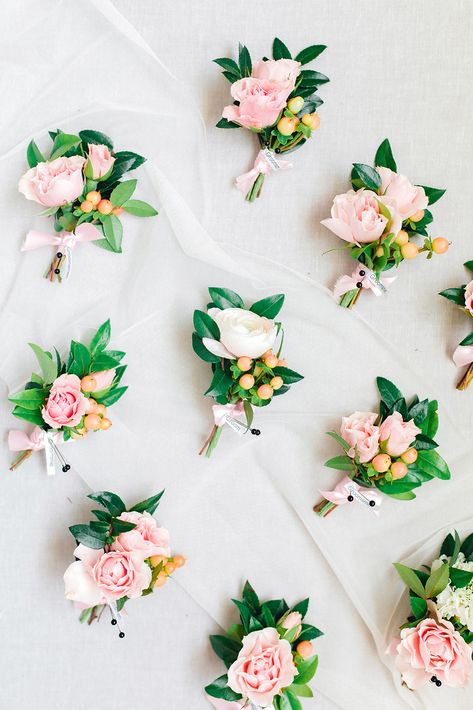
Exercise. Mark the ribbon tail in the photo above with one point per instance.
(36, 240)
(220, 704)
(343, 285)
(463, 355)
(245, 182)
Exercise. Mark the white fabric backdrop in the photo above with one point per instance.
(247, 511)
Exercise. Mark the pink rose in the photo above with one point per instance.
(469, 297)
(357, 218)
(360, 432)
(103, 379)
(407, 198)
(56, 183)
(100, 161)
(263, 668)
(291, 621)
(396, 434)
(282, 72)
(433, 648)
(66, 404)
(147, 537)
(99, 577)
(261, 102)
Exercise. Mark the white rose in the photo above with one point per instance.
(453, 601)
(242, 333)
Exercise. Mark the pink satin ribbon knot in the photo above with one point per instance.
(84, 233)
(349, 283)
(20, 441)
(262, 165)
(339, 495)
(220, 411)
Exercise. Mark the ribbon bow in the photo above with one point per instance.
(364, 276)
(83, 233)
(220, 704)
(38, 439)
(347, 490)
(463, 355)
(221, 411)
(265, 163)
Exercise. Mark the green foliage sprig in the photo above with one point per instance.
(457, 296)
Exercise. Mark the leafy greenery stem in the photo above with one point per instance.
(349, 299)
(466, 379)
(24, 455)
(211, 442)
(255, 189)
(324, 508)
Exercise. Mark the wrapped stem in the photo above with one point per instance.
(324, 508)
(255, 190)
(466, 379)
(349, 299)
(211, 441)
(20, 458)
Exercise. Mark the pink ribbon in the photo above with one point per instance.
(261, 165)
(339, 495)
(84, 233)
(220, 411)
(349, 283)
(463, 355)
(220, 704)
(20, 441)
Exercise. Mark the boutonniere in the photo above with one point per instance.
(435, 643)
(269, 655)
(121, 555)
(68, 399)
(80, 185)
(381, 219)
(392, 452)
(463, 355)
(276, 100)
(247, 369)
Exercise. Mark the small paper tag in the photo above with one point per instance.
(357, 495)
(377, 287)
(271, 158)
(236, 425)
(67, 263)
(49, 453)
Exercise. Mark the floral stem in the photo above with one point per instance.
(24, 455)
(255, 190)
(466, 379)
(349, 299)
(211, 442)
(324, 508)
(289, 146)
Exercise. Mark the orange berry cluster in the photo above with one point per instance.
(96, 415)
(93, 201)
(383, 463)
(410, 250)
(169, 565)
(258, 379)
(288, 123)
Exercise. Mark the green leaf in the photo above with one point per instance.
(280, 51)
(226, 648)
(341, 463)
(448, 546)
(468, 340)
(345, 445)
(384, 156)
(251, 598)
(430, 424)
(437, 581)
(302, 690)
(306, 670)
(225, 298)
(368, 175)
(418, 606)
(418, 411)
(110, 501)
(292, 701)
(201, 351)
(113, 231)
(289, 376)
(205, 326)
(29, 415)
(79, 360)
(408, 495)
(224, 123)
(310, 53)
(229, 65)
(248, 412)
(123, 192)
(431, 462)
(101, 338)
(220, 384)
(410, 578)
(309, 633)
(460, 578)
(312, 79)
(467, 546)
(34, 155)
(125, 161)
(30, 399)
(469, 265)
(268, 307)
(302, 607)
(139, 208)
(149, 505)
(456, 295)
(46, 363)
(433, 193)
(63, 143)
(388, 391)
(220, 689)
(120, 526)
(111, 396)
(244, 61)
(88, 536)
(424, 443)
(102, 515)
(96, 137)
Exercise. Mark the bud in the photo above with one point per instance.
(290, 621)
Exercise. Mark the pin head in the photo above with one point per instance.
(113, 622)
(362, 273)
(359, 284)
(372, 503)
(57, 271)
(59, 255)
(350, 498)
(121, 634)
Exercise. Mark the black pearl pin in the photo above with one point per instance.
(256, 432)
(113, 622)
(372, 503)
(359, 284)
(59, 255)
(121, 634)
(435, 680)
(57, 271)
(66, 468)
(362, 273)
(350, 498)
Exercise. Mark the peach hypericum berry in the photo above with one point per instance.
(305, 649)
(409, 456)
(287, 126)
(86, 206)
(105, 207)
(88, 384)
(402, 238)
(93, 197)
(417, 216)
(410, 250)
(440, 245)
(105, 424)
(398, 470)
(271, 361)
(312, 120)
(246, 382)
(295, 104)
(276, 383)
(264, 391)
(381, 463)
(244, 363)
(92, 421)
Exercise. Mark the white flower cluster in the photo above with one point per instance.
(453, 602)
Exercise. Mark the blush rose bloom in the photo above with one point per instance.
(263, 668)
(356, 217)
(100, 160)
(55, 183)
(242, 333)
(291, 621)
(66, 404)
(99, 577)
(433, 648)
(360, 432)
(282, 72)
(407, 198)
(103, 379)
(469, 297)
(396, 434)
(261, 101)
(146, 537)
